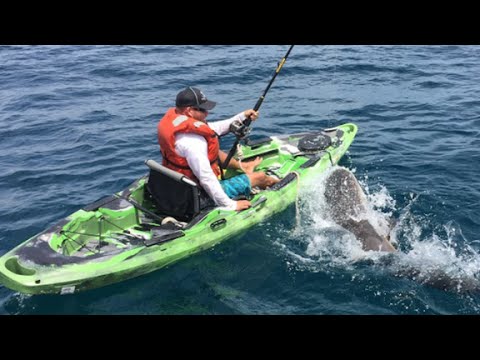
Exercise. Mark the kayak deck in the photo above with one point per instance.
(123, 236)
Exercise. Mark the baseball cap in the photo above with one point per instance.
(194, 97)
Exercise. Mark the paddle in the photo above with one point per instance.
(242, 130)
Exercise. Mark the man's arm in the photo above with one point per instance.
(223, 127)
(194, 148)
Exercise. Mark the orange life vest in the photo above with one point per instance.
(172, 124)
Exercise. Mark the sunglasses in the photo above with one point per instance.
(200, 109)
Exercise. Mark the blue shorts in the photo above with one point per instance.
(236, 186)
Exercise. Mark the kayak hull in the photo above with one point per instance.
(113, 240)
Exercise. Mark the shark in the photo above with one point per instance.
(348, 206)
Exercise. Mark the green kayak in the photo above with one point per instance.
(130, 233)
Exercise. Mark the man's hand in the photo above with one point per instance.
(243, 204)
(252, 114)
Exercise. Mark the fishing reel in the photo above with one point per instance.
(239, 129)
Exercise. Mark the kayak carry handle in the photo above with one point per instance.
(259, 201)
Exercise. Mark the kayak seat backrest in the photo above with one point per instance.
(174, 194)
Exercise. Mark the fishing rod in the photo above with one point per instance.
(241, 130)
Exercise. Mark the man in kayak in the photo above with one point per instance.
(190, 145)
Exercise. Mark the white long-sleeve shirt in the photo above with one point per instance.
(193, 148)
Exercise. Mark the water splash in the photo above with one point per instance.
(429, 253)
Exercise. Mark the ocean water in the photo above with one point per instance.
(77, 122)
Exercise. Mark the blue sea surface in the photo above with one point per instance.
(77, 123)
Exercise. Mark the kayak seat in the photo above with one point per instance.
(175, 194)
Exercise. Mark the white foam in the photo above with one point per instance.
(321, 244)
